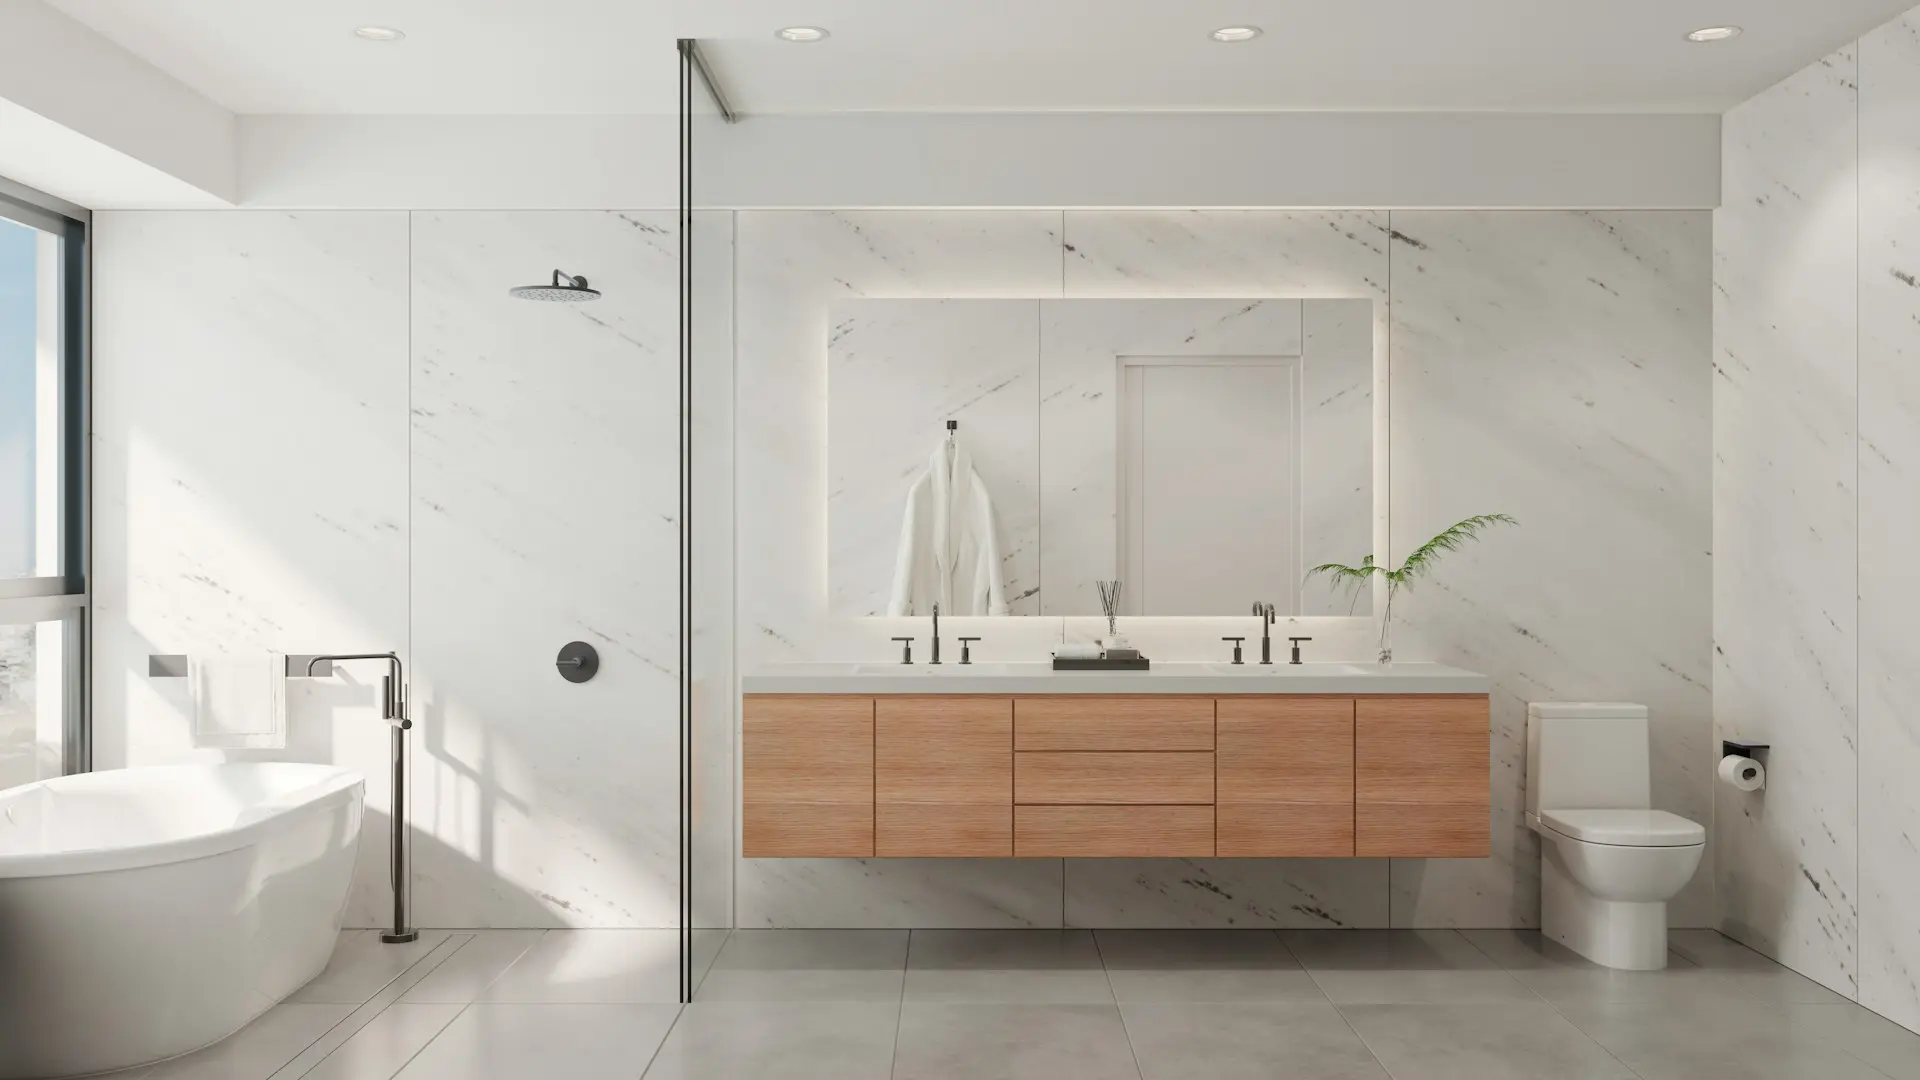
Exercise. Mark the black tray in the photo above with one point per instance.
(1131, 663)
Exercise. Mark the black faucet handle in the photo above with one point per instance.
(1298, 640)
(1237, 642)
(1296, 648)
(906, 651)
(966, 649)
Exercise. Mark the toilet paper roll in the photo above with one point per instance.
(1742, 772)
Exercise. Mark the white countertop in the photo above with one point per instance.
(1040, 678)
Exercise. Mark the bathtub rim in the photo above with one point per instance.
(322, 787)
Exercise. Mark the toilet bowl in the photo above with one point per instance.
(1609, 862)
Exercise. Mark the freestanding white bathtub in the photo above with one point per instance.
(145, 913)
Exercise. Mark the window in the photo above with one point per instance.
(43, 549)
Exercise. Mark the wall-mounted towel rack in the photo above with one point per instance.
(175, 667)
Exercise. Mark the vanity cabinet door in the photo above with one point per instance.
(806, 777)
(1422, 777)
(1285, 787)
(943, 777)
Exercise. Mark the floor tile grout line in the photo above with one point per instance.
(481, 994)
(1132, 1051)
(900, 1010)
(451, 1020)
(377, 1013)
(654, 1057)
(1508, 972)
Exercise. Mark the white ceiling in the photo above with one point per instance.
(616, 56)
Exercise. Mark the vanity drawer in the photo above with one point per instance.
(1079, 778)
(1133, 722)
(1113, 832)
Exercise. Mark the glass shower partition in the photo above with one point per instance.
(707, 697)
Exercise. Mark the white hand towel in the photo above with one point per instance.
(239, 701)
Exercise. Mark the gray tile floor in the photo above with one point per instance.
(1050, 1005)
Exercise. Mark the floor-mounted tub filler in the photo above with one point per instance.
(145, 913)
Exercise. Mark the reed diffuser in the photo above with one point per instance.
(1110, 603)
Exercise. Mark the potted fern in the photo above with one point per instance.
(1416, 565)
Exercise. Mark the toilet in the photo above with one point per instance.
(1608, 861)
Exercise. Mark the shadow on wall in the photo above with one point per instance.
(333, 722)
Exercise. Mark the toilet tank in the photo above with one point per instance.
(1588, 755)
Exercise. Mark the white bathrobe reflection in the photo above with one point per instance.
(949, 542)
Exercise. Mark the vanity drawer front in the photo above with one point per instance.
(1422, 778)
(1147, 779)
(1076, 722)
(1113, 832)
(806, 777)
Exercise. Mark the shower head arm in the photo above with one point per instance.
(563, 280)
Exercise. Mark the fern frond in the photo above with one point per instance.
(1349, 576)
(1453, 539)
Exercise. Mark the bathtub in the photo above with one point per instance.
(145, 913)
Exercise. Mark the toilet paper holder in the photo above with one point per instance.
(1738, 748)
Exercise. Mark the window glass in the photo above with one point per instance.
(32, 673)
(29, 402)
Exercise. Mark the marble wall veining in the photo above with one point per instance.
(1554, 366)
(250, 478)
(1785, 517)
(1889, 460)
(1492, 394)
(1816, 410)
(430, 475)
(334, 431)
(544, 485)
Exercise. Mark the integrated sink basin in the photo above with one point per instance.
(948, 669)
(1038, 677)
(1296, 670)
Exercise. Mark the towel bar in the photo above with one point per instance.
(175, 667)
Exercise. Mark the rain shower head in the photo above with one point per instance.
(566, 288)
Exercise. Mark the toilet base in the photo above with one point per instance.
(1628, 935)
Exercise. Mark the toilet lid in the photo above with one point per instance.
(1626, 828)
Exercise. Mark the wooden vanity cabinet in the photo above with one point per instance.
(943, 777)
(806, 773)
(1133, 776)
(1422, 775)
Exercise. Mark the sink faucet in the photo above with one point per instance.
(393, 709)
(1266, 613)
(936, 633)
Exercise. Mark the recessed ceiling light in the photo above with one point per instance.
(800, 33)
(1714, 33)
(377, 33)
(1236, 33)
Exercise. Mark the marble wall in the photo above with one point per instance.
(1527, 348)
(250, 477)
(1889, 459)
(1816, 398)
(336, 432)
(333, 430)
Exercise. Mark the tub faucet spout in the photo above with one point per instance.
(393, 692)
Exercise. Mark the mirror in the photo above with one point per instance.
(1204, 452)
